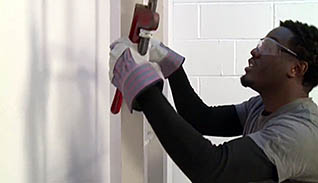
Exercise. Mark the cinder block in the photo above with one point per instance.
(314, 95)
(194, 81)
(286, 0)
(185, 22)
(207, 57)
(236, 20)
(220, 140)
(223, 1)
(224, 91)
(243, 49)
(304, 12)
(178, 175)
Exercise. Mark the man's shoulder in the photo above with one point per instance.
(255, 100)
(302, 113)
(251, 104)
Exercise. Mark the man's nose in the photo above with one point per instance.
(255, 53)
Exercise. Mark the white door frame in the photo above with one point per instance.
(135, 153)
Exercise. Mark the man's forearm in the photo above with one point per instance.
(214, 121)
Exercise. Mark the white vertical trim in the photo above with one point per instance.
(170, 39)
(102, 88)
(170, 22)
(199, 21)
(166, 14)
(145, 142)
(114, 17)
(199, 86)
(132, 139)
(165, 22)
(274, 14)
(234, 56)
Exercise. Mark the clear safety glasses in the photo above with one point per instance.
(268, 46)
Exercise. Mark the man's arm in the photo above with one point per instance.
(214, 121)
(239, 161)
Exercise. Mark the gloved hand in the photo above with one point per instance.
(168, 60)
(130, 73)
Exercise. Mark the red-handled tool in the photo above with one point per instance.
(145, 19)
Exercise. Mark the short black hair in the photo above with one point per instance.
(305, 45)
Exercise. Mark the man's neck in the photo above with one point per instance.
(274, 99)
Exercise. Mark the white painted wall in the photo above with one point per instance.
(54, 91)
(216, 37)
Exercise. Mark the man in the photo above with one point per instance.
(279, 127)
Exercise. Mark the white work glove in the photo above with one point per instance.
(130, 72)
(168, 60)
(122, 44)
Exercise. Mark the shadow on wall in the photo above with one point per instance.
(61, 127)
(36, 114)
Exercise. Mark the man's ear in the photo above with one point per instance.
(298, 69)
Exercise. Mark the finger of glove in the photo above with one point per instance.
(154, 42)
(123, 40)
(126, 41)
(114, 54)
(120, 45)
(122, 68)
(118, 51)
(111, 64)
(157, 53)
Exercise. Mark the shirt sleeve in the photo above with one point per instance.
(245, 108)
(287, 144)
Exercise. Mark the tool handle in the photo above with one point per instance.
(117, 101)
(152, 5)
(144, 42)
(143, 45)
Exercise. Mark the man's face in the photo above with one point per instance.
(270, 61)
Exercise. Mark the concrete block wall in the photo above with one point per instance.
(216, 37)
